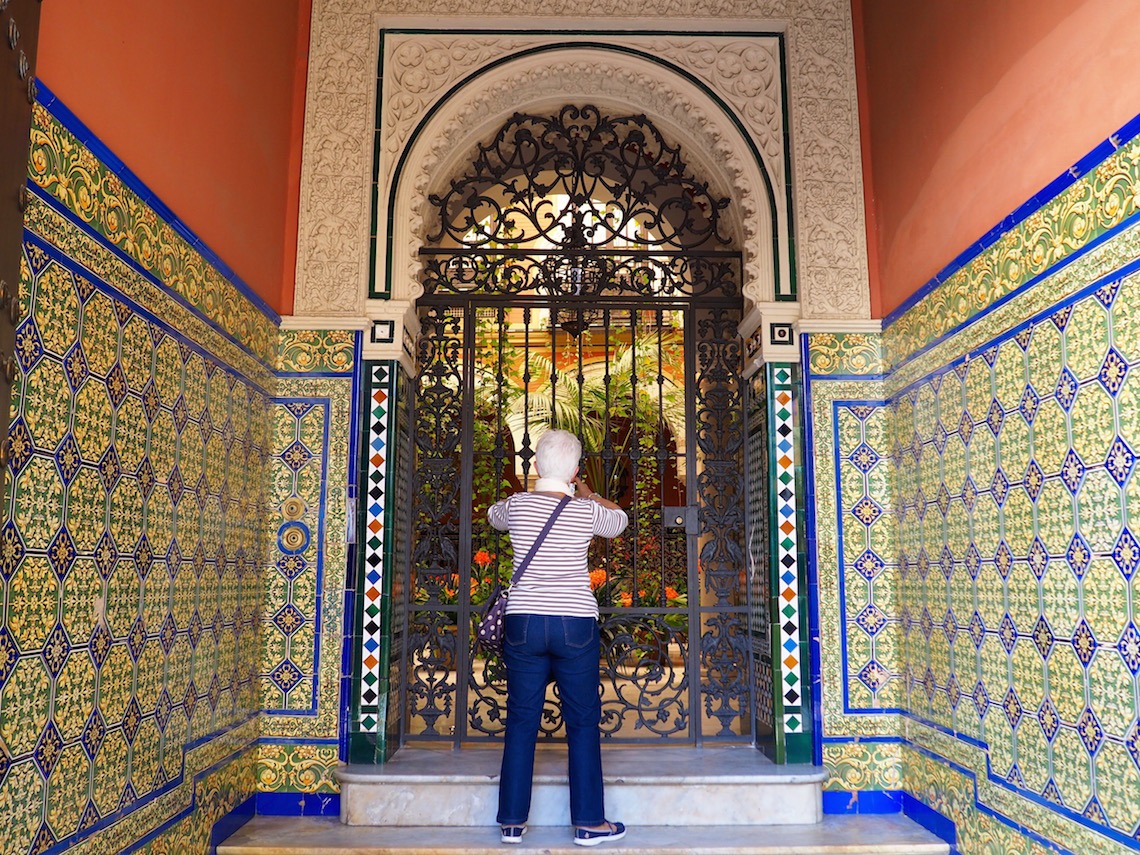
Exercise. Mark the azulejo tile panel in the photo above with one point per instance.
(785, 487)
(384, 527)
(853, 518)
(129, 562)
(1005, 454)
(317, 351)
(291, 619)
(297, 768)
(161, 435)
(372, 682)
(1016, 513)
(303, 618)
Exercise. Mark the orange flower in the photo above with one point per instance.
(671, 593)
(627, 598)
(597, 579)
(482, 557)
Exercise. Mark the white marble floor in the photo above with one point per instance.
(836, 835)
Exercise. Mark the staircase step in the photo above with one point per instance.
(835, 835)
(644, 786)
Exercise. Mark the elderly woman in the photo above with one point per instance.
(551, 628)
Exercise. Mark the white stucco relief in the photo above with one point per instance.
(710, 142)
(332, 272)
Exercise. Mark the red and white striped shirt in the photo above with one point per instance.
(557, 580)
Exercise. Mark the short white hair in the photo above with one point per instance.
(557, 454)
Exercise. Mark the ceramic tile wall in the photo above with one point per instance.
(853, 568)
(132, 541)
(1004, 426)
(779, 595)
(173, 553)
(303, 616)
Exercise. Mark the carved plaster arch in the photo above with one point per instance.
(710, 137)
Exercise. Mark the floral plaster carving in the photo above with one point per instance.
(333, 253)
(448, 142)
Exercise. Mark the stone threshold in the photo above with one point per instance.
(835, 835)
(656, 765)
(678, 786)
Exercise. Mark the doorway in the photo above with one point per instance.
(578, 277)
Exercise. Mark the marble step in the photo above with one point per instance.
(644, 786)
(835, 835)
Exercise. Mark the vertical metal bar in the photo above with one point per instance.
(607, 449)
(525, 450)
(553, 363)
(404, 711)
(581, 391)
(500, 400)
(608, 439)
(634, 446)
(662, 454)
(689, 333)
(463, 651)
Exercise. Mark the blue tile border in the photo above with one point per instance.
(108, 158)
(849, 802)
(298, 804)
(231, 822)
(1038, 200)
(809, 544)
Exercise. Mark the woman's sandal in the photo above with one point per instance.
(586, 837)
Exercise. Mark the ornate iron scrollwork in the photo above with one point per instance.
(578, 179)
(579, 276)
(580, 205)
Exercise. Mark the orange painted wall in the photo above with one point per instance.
(204, 102)
(970, 107)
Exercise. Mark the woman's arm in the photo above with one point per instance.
(610, 519)
(584, 492)
(498, 514)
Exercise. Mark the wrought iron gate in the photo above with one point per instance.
(579, 278)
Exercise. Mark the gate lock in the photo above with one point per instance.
(682, 516)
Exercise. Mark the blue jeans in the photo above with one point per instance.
(536, 647)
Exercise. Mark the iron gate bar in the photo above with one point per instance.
(585, 252)
(627, 303)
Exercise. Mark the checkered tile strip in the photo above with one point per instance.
(787, 552)
(380, 379)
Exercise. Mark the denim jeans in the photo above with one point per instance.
(535, 648)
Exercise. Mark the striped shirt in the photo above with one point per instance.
(557, 580)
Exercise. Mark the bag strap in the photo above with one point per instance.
(562, 503)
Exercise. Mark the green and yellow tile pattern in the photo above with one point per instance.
(130, 558)
(995, 445)
(166, 445)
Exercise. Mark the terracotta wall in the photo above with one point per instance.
(202, 101)
(970, 107)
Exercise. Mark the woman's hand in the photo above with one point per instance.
(583, 489)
